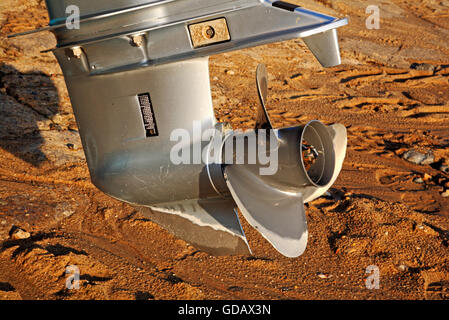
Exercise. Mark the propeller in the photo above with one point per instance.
(309, 157)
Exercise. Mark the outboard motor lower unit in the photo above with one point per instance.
(138, 77)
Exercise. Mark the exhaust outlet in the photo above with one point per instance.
(137, 73)
(318, 156)
(273, 201)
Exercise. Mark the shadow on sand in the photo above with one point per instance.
(25, 100)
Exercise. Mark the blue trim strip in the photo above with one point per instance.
(316, 14)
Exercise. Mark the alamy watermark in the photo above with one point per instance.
(242, 147)
(373, 281)
(73, 280)
(73, 20)
(373, 20)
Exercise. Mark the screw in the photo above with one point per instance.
(209, 32)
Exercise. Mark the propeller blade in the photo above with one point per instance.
(278, 216)
(263, 119)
